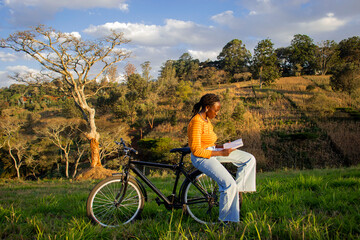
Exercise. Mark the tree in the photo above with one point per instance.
(146, 68)
(62, 133)
(111, 74)
(350, 50)
(327, 56)
(283, 55)
(15, 144)
(129, 70)
(302, 53)
(186, 68)
(264, 62)
(167, 81)
(70, 62)
(234, 57)
(346, 77)
(137, 86)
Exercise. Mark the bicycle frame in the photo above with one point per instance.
(177, 168)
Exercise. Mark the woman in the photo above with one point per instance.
(207, 157)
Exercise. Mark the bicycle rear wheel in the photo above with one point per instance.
(204, 208)
(103, 207)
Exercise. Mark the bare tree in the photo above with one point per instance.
(61, 132)
(15, 144)
(70, 62)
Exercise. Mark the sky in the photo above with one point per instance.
(160, 30)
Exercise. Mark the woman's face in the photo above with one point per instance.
(212, 111)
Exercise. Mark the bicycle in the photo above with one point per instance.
(119, 199)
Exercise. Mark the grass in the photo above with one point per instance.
(311, 204)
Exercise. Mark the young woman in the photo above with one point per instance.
(207, 157)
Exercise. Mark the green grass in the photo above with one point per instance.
(312, 204)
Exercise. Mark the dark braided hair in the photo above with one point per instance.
(208, 99)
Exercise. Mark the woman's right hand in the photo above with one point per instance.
(224, 152)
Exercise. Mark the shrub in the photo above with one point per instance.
(239, 111)
(158, 150)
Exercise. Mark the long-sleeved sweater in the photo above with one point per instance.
(201, 136)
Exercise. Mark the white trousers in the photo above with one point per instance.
(229, 187)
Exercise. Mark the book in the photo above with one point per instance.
(234, 144)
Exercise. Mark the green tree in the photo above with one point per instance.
(186, 68)
(234, 57)
(167, 81)
(138, 86)
(146, 68)
(264, 62)
(347, 74)
(302, 54)
(327, 56)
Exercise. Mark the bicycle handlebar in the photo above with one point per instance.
(126, 148)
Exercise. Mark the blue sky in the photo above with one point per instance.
(161, 30)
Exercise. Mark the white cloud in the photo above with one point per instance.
(22, 69)
(70, 4)
(124, 7)
(224, 18)
(325, 24)
(5, 81)
(253, 13)
(280, 20)
(172, 33)
(33, 12)
(7, 57)
(204, 55)
(74, 34)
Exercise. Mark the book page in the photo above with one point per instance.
(234, 144)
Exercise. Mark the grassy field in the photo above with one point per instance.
(310, 204)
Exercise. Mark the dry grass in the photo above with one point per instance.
(295, 84)
(345, 134)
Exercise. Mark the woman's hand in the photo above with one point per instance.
(224, 152)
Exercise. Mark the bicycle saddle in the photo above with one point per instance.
(185, 150)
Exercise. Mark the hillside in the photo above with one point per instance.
(297, 122)
(294, 123)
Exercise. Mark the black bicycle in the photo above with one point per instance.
(120, 199)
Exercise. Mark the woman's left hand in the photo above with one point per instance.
(219, 146)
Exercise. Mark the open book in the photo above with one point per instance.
(234, 144)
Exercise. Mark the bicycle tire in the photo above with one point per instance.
(101, 206)
(203, 209)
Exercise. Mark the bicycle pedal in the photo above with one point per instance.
(157, 200)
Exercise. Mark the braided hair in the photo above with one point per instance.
(208, 99)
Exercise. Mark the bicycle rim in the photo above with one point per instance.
(203, 209)
(103, 207)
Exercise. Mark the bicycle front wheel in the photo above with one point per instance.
(103, 205)
(202, 200)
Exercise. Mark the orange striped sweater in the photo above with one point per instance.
(200, 136)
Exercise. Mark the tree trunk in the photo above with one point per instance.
(261, 68)
(17, 166)
(67, 167)
(95, 153)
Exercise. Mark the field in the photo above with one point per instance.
(309, 204)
